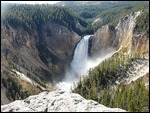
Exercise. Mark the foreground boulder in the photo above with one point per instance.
(56, 101)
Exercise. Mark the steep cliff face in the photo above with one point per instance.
(43, 49)
(129, 40)
(40, 56)
(102, 40)
(56, 45)
(123, 37)
(140, 43)
(124, 31)
(57, 101)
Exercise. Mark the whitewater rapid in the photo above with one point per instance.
(80, 65)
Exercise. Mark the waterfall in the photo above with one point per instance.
(80, 57)
(79, 65)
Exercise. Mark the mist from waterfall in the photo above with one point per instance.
(79, 65)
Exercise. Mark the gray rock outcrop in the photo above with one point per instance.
(57, 101)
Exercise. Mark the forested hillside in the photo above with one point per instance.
(19, 16)
(100, 85)
(108, 13)
(142, 22)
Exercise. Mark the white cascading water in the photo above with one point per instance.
(79, 65)
(80, 57)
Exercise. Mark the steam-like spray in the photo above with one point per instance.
(79, 65)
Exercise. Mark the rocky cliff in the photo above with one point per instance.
(124, 31)
(122, 37)
(57, 101)
(102, 41)
(41, 56)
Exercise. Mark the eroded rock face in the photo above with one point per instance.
(57, 43)
(127, 37)
(56, 101)
(140, 42)
(43, 53)
(108, 38)
(49, 48)
(124, 31)
(102, 40)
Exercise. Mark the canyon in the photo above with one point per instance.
(47, 62)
